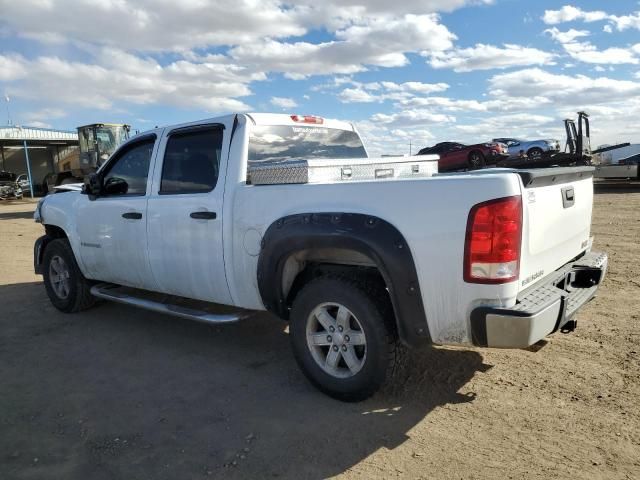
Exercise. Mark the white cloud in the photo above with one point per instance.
(381, 139)
(485, 57)
(381, 42)
(44, 114)
(517, 124)
(417, 87)
(626, 21)
(357, 95)
(382, 91)
(566, 37)
(152, 25)
(562, 89)
(283, 102)
(444, 103)
(570, 13)
(121, 77)
(497, 105)
(407, 33)
(11, 68)
(588, 53)
(412, 118)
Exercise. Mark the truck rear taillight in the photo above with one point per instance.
(492, 244)
(307, 119)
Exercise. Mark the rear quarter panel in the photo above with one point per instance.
(430, 213)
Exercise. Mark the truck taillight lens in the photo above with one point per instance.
(492, 245)
(307, 119)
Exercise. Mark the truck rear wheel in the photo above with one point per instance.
(342, 338)
(66, 287)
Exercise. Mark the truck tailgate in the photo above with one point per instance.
(557, 204)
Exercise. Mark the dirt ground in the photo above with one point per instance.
(121, 393)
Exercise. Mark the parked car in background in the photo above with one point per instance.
(458, 156)
(23, 181)
(9, 187)
(534, 149)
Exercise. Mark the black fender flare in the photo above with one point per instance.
(366, 234)
(38, 253)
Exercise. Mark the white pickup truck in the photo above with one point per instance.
(216, 219)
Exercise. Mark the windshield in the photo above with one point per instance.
(282, 143)
(108, 138)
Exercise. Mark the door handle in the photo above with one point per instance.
(132, 215)
(203, 215)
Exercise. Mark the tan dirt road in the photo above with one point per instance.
(120, 393)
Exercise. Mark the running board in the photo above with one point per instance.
(168, 304)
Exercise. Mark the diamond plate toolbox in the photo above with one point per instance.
(342, 170)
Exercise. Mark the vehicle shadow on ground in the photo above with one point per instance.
(116, 392)
(16, 215)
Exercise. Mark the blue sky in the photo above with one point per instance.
(419, 71)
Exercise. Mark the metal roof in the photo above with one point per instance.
(35, 133)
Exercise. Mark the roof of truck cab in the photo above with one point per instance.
(261, 119)
(285, 119)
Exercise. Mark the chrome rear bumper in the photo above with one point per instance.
(542, 309)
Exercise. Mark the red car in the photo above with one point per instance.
(457, 156)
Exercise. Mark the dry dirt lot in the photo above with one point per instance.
(121, 393)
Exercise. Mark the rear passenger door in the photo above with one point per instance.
(185, 213)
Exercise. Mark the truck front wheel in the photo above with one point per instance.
(66, 287)
(342, 338)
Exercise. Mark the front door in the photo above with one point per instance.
(112, 227)
(185, 214)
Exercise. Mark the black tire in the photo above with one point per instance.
(371, 306)
(79, 296)
(476, 160)
(535, 153)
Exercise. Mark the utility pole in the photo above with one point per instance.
(409, 147)
(6, 97)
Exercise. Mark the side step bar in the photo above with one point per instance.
(168, 304)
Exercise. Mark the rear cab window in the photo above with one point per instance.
(285, 143)
(192, 161)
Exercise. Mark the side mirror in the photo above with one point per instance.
(92, 185)
(115, 186)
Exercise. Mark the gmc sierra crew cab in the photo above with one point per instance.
(216, 219)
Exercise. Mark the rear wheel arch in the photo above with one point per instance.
(298, 248)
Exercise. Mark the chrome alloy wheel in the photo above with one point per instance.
(336, 340)
(59, 277)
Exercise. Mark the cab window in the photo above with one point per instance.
(192, 161)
